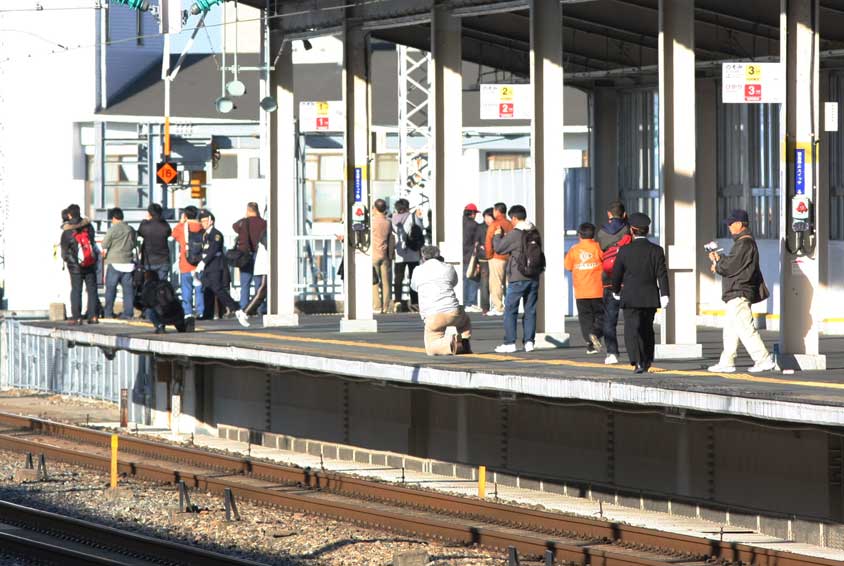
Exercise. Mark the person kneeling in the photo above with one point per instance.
(434, 281)
(160, 304)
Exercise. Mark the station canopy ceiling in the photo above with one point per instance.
(602, 39)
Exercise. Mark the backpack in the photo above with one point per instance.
(416, 239)
(612, 252)
(193, 246)
(86, 254)
(531, 262)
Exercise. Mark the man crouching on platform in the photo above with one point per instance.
(434, 281)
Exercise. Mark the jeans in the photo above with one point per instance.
(527, 290)
(88, 276)
(152, 316)
(246, 279)
(163, 270)
(470, 290)
(611, 308)
(191, 293)
(113, 277)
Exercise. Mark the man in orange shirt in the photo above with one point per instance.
(497, 262)
(189, 235)
(584, 261)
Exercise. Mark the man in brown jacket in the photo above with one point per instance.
(383, 247)
(497, 262)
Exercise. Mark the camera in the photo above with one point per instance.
(713, 246)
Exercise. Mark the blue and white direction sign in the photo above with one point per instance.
(800, 171)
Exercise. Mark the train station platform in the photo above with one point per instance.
(395, 354)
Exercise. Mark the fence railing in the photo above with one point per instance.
(319, 263)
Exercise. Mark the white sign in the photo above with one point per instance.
(830, 116)
(322, 116)
(754, 83)
(506, 102)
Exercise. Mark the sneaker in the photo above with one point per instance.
(505, 349)
(591, 350)
(596, 342)
(472, 308)
(493, 312)
(242, 318)
(767, 364)
(721, 368)
(611, 359)
(529, 346)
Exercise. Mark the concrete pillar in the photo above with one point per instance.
(187, 424)
(281, 221)
(677, 175)
(446, 118)
(546, 77)
(603, 155)
(358, 263)
(706, 177)
(801, 299)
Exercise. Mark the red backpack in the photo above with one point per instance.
(85, 252)
(612, 252)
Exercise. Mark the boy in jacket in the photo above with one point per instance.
(584, 260)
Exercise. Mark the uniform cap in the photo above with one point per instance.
(639, 220)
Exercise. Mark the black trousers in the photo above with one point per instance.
(214, 282)
(89, 278)
(590, 314)
(398, 280)
(639, 335)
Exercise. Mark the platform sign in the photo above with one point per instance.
(358, 184)
(506, 102)
(754, 83)
(322, 116)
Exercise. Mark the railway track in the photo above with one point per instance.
(57, 539)
(434, 515)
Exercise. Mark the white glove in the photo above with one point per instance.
(663, 301)
(200, 267)
(197, 282)
(616, 297)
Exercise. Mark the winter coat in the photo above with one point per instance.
(402, 223)
(249, 230)
(584, 262)
(510, 244)
(155, 249)
(473, 233)
(383, 240)
(739, 271)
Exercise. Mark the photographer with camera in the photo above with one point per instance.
(742, 285)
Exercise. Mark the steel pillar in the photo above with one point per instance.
(546, 76)
(800, 290)
(281, 221)
(677, 175)
(358, 260)
(447, 113)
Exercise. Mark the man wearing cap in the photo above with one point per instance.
(434, 281)
(640, 269)
(473, 239)
(742, 285)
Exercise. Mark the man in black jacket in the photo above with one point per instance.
(79, 252)
(740, 287)
(213, 267)
(155, 251)
(473, 237)
(640, 268)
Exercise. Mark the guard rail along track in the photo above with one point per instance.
(435, 515)
(68, 541)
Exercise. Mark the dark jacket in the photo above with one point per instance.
(739, 271)
(155, 249)
(160, 297)
(69, 247)
(249, 230)
(213, 250)
(510, 244)
(473, 233)
(640, 266)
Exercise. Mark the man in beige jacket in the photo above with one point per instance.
(383, 247)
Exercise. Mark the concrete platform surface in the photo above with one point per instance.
(395, 353)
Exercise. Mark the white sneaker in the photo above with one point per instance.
(493, 312)
(767, 364)
(718, 368)
(505, 349)
(529, 346)
(611, 359)
(472, 308)
(242, 318)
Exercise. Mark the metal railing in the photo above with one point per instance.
(319, 262)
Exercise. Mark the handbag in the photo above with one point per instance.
(238, 258)
(473, 268)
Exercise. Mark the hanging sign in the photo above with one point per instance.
(322, 116)
(506, 102)
(754, 83)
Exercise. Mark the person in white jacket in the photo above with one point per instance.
(434, 281)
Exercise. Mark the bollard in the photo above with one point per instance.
(512, 556)
(481, 482)
(113, 461)
(231, 506)
(124, 408)
(42, 468)
(549, 558)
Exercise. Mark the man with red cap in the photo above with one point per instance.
(473, 237)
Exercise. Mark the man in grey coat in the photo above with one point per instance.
(119, 248)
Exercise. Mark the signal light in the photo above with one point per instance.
(203, 6)
(141, 5)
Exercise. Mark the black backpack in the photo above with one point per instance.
(416, 238)
(531, 262)
(193, 243)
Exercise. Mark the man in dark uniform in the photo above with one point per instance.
(213, 266)
(640, 279)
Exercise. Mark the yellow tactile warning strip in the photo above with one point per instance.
(501, 358)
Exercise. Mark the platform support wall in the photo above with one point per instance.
(677, 175)
(546, 75)
(281, 223)
(800, 291)
(604, 151)
(358, 315)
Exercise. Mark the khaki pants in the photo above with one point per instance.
(384, 284)
(738, 325)
(436, 343)
(496, 283)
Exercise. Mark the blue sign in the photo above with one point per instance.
(358, 185)
(800, 171)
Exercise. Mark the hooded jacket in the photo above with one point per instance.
(739, 271)
(69, 247)
(511, 244)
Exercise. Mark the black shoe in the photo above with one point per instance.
(641, 369)
(190, 324)
(159, 329)
(467, 347)
(591, 350)
(94, 320)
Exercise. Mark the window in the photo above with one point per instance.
(254, 167)
(386, 168)
(122, 185)
(507, 161)
(226, 167)
(324, 175)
